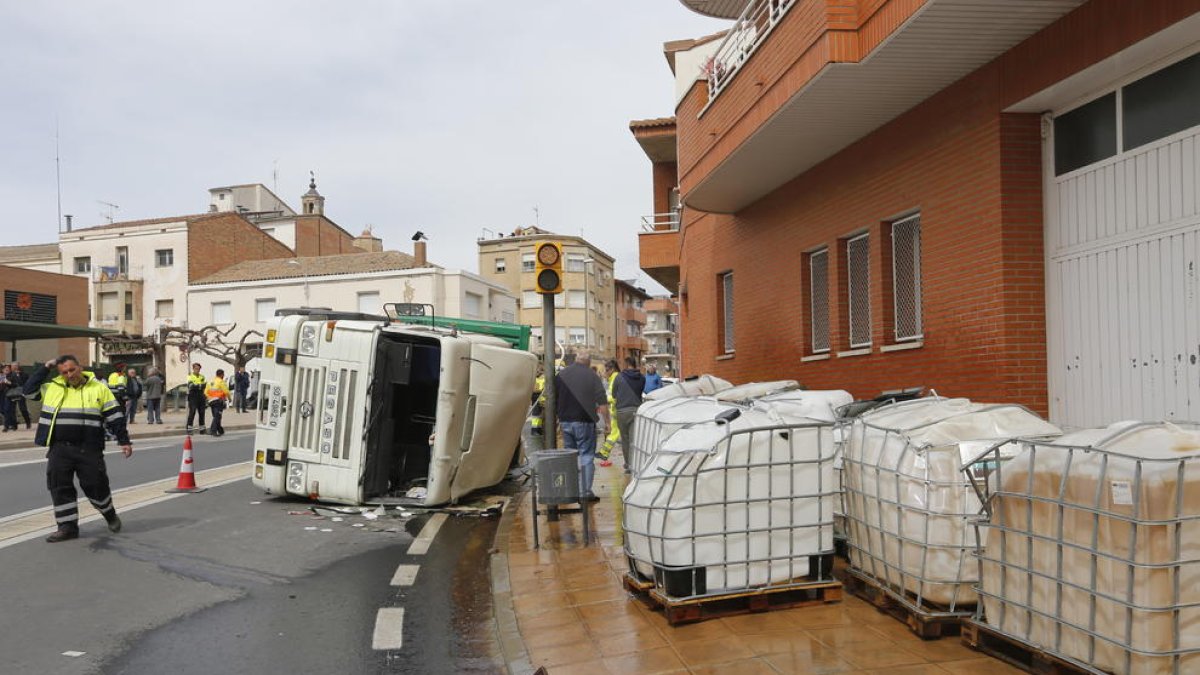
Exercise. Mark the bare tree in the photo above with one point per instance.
(214, 342)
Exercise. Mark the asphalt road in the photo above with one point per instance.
(234, 581)
(23, 473)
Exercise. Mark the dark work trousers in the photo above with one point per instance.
(8, 412)
(66, 461)
(22, 405)
(196, 404)
(218, 408)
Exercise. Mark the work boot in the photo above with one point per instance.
(114, 523)
(63, 534)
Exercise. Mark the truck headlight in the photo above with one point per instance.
(308, 346)
(308, 332)
(295, 477)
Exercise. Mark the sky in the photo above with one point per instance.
(445, 116)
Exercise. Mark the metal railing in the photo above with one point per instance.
(661, 222)
(754, 25)
(106, 273)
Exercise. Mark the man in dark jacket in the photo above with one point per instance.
(627, 393)
(16, 381)
(580, 402)
(241, 389)
(75, 409)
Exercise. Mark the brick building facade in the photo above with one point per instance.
(43, 298)
(847, 126)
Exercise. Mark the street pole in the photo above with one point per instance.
(549, 415)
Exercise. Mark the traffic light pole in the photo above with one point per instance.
(550, 414)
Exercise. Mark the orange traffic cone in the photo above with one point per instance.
(187, 471)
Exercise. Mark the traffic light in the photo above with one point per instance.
(548, 270)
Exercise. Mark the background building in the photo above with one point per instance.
(995, 198)
(586, 316)
(243, 297)
(662, 341)
(37, 304)
(631, 321)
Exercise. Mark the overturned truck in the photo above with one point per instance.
(358, 408)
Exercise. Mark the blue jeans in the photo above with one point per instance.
(154, 410)
(582, 436)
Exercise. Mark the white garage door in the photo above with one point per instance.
(1123, 248)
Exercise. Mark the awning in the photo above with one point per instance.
(28, 330)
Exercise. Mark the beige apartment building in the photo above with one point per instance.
(586, 316)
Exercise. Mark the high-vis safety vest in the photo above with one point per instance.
(216, 390)
(79, 413)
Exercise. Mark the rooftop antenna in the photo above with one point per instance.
(58, 174)
(112, 209)
(537, 217)
(275, 176)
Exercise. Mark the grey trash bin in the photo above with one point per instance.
(557, 476)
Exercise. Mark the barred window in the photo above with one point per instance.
(726, 294)
(818, 300)
(858, 271)
(906, 278)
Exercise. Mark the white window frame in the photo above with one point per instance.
(913, 221)
(528, 263)
(169, 257)
(822, 254)
(259, 303)
(501, 265)
(576, 299)
(86, 265)
(577, 335)
(158, 312)
(366, 295)
(850, 297)
(576, 262)
(531, 300)
(478, 309)
(727, 309)
(226, 306)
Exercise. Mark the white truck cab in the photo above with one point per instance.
(357, 409)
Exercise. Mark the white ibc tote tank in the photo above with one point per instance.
(1093, 547)
(703, 385)
(908, 504)
(721, 507)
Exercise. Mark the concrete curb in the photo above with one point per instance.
(504, 613)
(26, 443)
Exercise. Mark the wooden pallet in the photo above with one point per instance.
(688, 610)
(981, 637)
(635, 584)
(936, 623)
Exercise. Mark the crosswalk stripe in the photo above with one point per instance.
(405, 575)
(389, 629)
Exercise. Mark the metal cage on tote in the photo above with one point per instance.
(752, 508)
(909, 508)
(1090, 547)
(657, 420)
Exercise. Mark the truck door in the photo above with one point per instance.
(501, 384)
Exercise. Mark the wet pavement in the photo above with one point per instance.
(563, 607)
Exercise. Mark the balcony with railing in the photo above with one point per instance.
(749, 31)
(658, 248)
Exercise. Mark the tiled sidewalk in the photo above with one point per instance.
(574, 617)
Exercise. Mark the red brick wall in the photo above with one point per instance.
(666, 177)
(317, 235)
(72, 300)
(220, 240)
(974, 174)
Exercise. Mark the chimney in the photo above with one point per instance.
(68, 218)
(368, 242)
(419, 252)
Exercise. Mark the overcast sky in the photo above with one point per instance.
(446, 116)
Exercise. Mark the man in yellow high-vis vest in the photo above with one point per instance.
(76, 407)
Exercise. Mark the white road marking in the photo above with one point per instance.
(73, 654)
(124, 509)
(421, 544)
(389, 629)
(405, 575)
